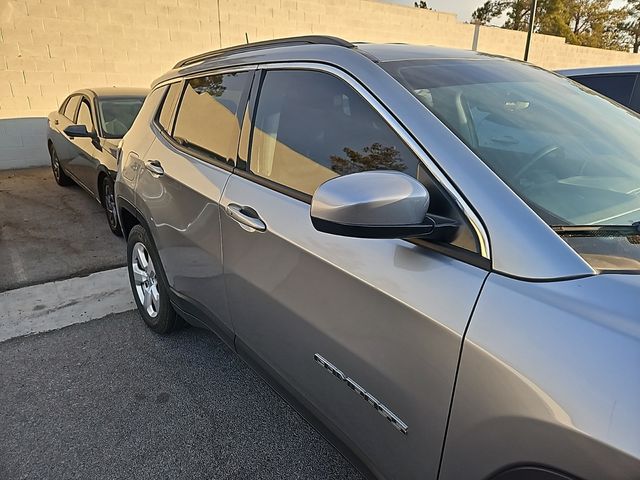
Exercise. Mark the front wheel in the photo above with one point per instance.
(149, 287)
(109, 202)
(58, 173)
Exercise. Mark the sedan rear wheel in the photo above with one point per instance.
(58, 173)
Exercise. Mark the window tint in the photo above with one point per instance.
(207, 120)
(117, 115)
(311, 126)
(72, 105)
(84, 116)
(168, 105)
(616, 87)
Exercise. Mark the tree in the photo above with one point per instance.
(375, 157)
(487, 12)
(631, 26)
(421, 4)
(591, 23)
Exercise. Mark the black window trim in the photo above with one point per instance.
(206, 157)
(480, 259)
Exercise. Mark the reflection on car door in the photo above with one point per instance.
(319, 309)
(193, 154)
(61, 142)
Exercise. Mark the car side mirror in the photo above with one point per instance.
(77, 131)
(378, 204)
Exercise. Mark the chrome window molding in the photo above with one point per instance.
(398, 128)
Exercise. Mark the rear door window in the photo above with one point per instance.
(84, 116)
(168, 106)
(71, 107)
(618, 87)
(208, 120)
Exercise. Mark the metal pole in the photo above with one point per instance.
(532, 21)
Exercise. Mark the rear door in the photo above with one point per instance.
(179, 190)
(317, 309)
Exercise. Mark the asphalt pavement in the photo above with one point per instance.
(109, 399)
(48, 232)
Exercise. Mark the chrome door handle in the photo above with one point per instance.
(247, 217)
(154, 167)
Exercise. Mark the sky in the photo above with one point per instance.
(464, 8)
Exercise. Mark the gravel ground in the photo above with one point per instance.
(110, 399)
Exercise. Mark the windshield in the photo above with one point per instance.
(570, 153)
(117, 115)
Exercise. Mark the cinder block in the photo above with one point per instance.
(5, 90)
(24, 90)
(65, 52)
(12, 76)
(14, 103)
(38, 78)
(20, 63)
(47, 103)
(13, 35)
(49, 64)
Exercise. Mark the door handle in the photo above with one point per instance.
(154, 167)
(247, 217)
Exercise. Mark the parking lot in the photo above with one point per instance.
(108, 398)
(50, 232)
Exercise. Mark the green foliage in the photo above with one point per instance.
(631, 26)
(591, 23)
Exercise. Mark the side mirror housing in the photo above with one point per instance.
(377, 204)
(77, 131)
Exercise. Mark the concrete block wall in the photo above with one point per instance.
(49, 48)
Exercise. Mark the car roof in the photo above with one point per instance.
(312, 48)
(105, 92)
(578, 72)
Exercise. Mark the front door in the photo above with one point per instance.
(84, 163)
(186, 169)
(366, 331)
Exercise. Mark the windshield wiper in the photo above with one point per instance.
(597, 230)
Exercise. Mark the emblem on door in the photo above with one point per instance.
(370, 399)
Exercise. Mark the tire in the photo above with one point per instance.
(109, 203)
(58, 173)
(148, 284)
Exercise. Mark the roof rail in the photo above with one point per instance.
(278, 42)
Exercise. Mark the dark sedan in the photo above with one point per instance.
(83, 137)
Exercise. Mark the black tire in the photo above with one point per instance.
(109, 204)
(165, 320)
(58, 173)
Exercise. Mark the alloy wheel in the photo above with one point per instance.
(55, 165)
(110, 205)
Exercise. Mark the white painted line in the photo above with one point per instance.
(49, 306)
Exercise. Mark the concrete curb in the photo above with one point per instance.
(53, 305)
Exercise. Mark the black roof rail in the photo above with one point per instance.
(278, 42)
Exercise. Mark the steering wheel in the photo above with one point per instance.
(537, 156)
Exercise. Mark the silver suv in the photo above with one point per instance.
(433, 253)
